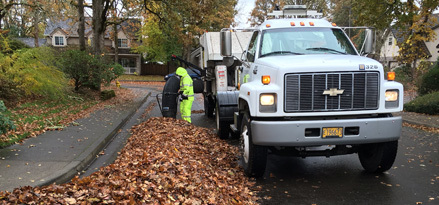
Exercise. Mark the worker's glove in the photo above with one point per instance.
(180, 92)
(184, 97)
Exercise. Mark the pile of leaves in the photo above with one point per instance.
(165, 161)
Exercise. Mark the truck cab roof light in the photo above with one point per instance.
(311, 23)
(334, 24)
(302, 23)
(292, 24)
(268, 25)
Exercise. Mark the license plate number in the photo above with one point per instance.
(332, 132)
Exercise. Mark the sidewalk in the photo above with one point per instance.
(420, 119)
(57, 156)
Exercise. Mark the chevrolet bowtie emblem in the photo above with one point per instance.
(333, 92)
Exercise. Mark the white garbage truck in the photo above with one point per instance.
(298, 86)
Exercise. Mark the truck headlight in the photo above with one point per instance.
(392, 98)
(267, 102)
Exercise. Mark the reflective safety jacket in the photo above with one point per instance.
(186, 83)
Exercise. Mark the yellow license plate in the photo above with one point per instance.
(332, 132)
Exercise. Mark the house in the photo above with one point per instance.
(389, 50)
(64, 33)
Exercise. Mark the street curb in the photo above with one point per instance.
(419, 124)
(88, 155)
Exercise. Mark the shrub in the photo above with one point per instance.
(107, 94)
(112, 72)
(428, 104)
(88, 70)
(31, 73)
(430, 81)
(5, 123)
(75, 64)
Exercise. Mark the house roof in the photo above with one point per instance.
(398, 34)
(67, 26)
(31, 41)
(437, 21)
(130, 27)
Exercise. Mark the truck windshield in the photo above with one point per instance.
(305, 41)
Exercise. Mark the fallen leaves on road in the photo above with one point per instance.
(424, 128)
(165, 161)
(197, 111)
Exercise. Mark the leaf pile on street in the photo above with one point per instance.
(165, 161)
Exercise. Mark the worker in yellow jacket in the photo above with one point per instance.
(186, 92)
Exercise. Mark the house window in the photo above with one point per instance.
(59, 41)
(129, 64)
(122, 43)
(390, 41)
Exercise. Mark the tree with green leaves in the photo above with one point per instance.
(178, 23)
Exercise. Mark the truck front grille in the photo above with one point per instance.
(304, 92)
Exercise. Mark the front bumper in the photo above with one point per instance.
(292, 133)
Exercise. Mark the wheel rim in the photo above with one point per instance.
(245, 144)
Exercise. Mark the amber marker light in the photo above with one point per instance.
(311, 23)
(302, 23)
(334, 24)
(391, 76)
(268, 25)
(292, 24)
(266, 79)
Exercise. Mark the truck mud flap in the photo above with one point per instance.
(198, 85)
(227, 104)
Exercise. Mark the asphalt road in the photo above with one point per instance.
(414, 178)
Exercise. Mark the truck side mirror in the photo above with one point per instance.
(369, 43)
(244, 55)
(226, 43)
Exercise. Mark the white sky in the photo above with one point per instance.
(244, 8)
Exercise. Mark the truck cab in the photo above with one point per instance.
(303, 84)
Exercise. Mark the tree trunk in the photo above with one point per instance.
(81, 28)
(99, 8)
(116, 46)
(36, 30)
(99, 19)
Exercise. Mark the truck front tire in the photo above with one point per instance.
(378, 157)
(253, 157)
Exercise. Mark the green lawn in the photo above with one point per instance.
(141, 78)
(32, 118)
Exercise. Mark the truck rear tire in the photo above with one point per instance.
(253, 157)
(222, 127)
(378, 157)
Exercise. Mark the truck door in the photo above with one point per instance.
(249, 59)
